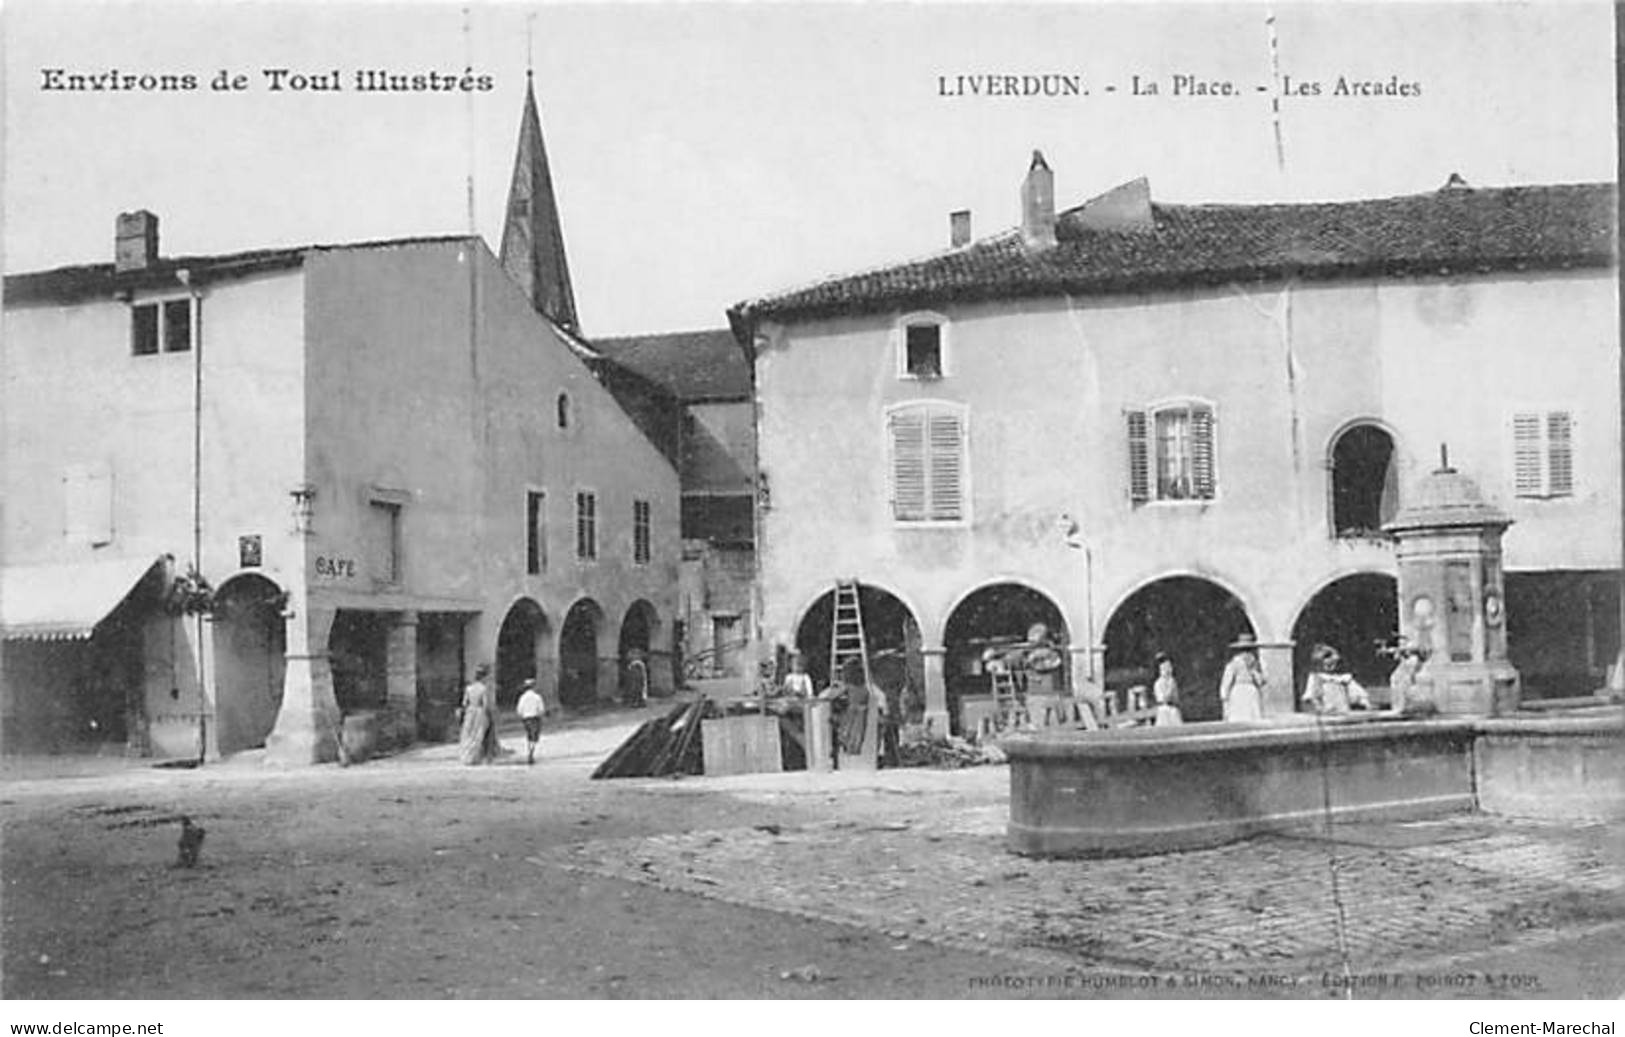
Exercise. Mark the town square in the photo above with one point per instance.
(1111, 501)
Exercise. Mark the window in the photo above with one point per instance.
(562, 406)
(1365, 490)
(177, 325)
(144, 329)
(586, 525)
(167, 324)
(87, 498)
(535, 532)
(922, 343)
(1170, 452)
(1543, 453)
(928, 463)
(640, 532)
(384, 541)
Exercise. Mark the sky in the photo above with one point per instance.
(704, 154)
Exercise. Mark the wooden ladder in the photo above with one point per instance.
(847, 640)
(1007, 707)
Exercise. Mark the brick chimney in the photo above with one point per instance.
(1038, 204)
(959, 228)
(135, 241)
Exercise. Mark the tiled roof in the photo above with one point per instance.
(1456, 229)
(88, 281)
(691, 365)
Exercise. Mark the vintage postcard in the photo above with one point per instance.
(1113, 501)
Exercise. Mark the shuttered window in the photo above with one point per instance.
(1543, 453)
(928, 464)
(1171, 454)
(586, 525)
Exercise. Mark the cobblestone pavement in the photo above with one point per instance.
(1394, 893)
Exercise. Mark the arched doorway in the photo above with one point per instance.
(891, 633)
(637, 641)
(998, 615)
(1365, 484)
(250, 645)
(1191, 619)
(519, 644)
(578, 653)
(1357, 615)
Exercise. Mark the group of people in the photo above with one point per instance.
(477, 742)
(864, 708)
(1331, 689)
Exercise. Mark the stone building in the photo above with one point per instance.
(1154, 427)
(707, 373)
(247, 493)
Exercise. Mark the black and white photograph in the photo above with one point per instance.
(822, 501)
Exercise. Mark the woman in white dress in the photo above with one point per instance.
(1165, 689)
(1241, 689)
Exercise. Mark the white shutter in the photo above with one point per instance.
(908, 466)
(1139, 460)
(1559, 453)
(1202, 453)
(946, 471)
(1527, 469)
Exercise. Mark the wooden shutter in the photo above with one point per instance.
(1139, 458)
(1559, 453)
(1527, 461)
(945, 472)
(1202, 453)
(908, 465)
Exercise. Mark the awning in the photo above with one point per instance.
(65, 602)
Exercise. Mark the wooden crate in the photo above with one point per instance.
(742, 745)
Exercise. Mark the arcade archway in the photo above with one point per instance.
(1357, 615)
(1002, 616)
(637, 642)
(519, 646)
(358, 652)
(578, 653)
(890, 630)
(1194, 621)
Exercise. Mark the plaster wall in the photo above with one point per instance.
(1046, 383)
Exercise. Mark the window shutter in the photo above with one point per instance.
(946, 470)
(1526, 463)
(1202, 453)
(1559, 453)
(1139, 458)
(908, 466)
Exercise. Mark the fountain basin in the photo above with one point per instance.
(1152, 790)
(1569, 767)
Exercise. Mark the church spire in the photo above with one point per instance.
(532, 239)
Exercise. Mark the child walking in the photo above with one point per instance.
(530, 710)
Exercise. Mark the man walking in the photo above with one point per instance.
(530, 709)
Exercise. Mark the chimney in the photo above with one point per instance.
(135, 242)
(959, 228)
(1038, 204)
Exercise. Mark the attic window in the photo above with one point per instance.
(922, 346)
(165, 326)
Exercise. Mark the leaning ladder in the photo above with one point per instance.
(846, 639)
(1007, 707)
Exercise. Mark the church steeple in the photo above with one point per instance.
(532, 239)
